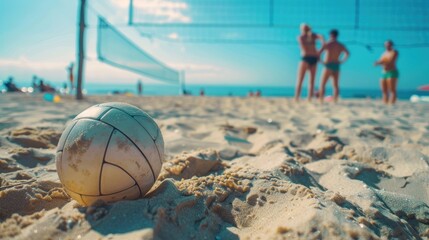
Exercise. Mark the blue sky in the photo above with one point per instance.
(39, 37)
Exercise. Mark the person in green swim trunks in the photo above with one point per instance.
(335, 54)
(389, 77)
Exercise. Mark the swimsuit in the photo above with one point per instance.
(310, 60)
(333, 66)
(390, 74)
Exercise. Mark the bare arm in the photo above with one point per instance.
(380, 61)
(319, 53)
(320, 37)
(321, 50)
(346, 55)
(394, 57)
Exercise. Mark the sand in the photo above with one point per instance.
(235, 168)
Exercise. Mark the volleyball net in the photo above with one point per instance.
(117, 50)
(366, 22)
(363, 22)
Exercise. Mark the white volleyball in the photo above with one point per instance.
(109, 152)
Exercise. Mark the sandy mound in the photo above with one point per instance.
(35, 137)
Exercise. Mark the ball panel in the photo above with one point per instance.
(127, 108)
(64, 135)
(58, 163)
(83, 156)
(137, 134)
(124, 154)
(75, 196)
(159, 142)
(114, 179)
(129, 194)
(93, 112)
(148, 124)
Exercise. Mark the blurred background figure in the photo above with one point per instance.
(250, 93)
(34, 83)
(333, 51)
(45, 87)
(258, 93)
(139, 87)
(71, 75)
(202, 93)
(389, 77)
(310, 57)
(10, 86)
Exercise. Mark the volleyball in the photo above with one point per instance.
(109, 152)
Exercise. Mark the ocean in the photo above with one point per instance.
(239, 91)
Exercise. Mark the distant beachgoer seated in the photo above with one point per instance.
(45, 87)
(10, 86)
(310, 57)
(389, 78)
(332, 62)
(186, 92)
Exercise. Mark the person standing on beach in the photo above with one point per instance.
(332, 62)
(139, 87)
(70, 74)
(34, 83)
(310, 57)
(389, 77)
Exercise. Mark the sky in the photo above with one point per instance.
(39, 38)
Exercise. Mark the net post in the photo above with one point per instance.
(131, 13)
(81, 49)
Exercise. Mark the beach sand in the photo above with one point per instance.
(235, 168)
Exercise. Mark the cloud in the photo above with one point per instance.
(168, 11)
(23, 62)
(173, 35)
(196, 67)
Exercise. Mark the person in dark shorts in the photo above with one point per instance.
(310, 57)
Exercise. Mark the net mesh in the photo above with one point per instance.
(368, 22)
(115, 49)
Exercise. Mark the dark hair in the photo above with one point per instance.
(334, 32)
(390, 41)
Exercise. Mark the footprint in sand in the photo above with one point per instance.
(30, 158)
(7, 125)
(41, 137)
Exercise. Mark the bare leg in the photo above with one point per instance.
(383, 84)
(312, 78)
(336, 76)
(323, 81)
(392, 88)
(301, 73)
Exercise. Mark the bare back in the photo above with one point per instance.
(307, 44)
(333, 51)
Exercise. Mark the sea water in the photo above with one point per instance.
(233, 90)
